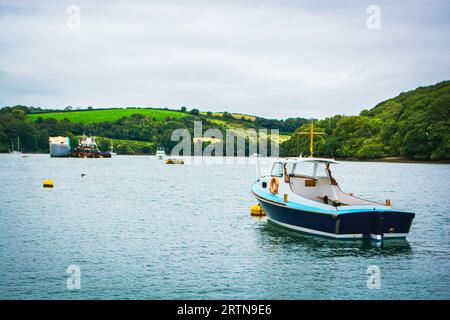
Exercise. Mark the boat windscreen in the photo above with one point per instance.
(307, 169)
(277, 170)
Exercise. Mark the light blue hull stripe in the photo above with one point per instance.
(295, 205)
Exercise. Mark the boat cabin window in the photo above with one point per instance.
(290, 167)
(304, 169)
(308, 169)
(277, 170)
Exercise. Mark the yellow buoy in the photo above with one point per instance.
(257, 210)
(48, 183)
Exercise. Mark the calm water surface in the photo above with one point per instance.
(140, 229)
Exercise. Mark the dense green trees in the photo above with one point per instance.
(285, 126)
(13, 125)
(414, 125)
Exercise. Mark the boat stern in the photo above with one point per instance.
(377, 224)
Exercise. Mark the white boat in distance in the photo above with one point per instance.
(160, 153)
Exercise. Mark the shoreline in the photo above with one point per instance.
(395, 160)
(385, 159)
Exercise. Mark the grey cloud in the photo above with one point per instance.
(270, 58)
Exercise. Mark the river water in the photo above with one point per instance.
(140, 229)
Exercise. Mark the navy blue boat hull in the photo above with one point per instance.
(388, 224)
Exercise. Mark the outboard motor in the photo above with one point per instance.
(376, 226)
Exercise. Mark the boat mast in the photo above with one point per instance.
(311, 137)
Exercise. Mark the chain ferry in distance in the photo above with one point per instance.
(87, 148)
(302, 194)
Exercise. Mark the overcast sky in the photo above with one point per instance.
(269, 58)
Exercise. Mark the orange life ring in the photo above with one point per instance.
(274, 185)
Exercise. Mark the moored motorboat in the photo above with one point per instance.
(174, 161)
(111, 152)
(301, 194)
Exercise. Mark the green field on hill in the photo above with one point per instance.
(101, 115)
(234, 115)
(243, 126)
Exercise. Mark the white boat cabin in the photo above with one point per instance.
(160, 153)
(311, 178)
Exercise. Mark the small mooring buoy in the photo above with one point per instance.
(48, 183)
(257, 210)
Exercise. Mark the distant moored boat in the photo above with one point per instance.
(59, 146)
(16, 152)
(174, 161)
(112, 153)
(87, 148)
(160, 153)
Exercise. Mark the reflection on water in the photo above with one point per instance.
(325, 247)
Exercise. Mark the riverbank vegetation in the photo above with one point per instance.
(134, 130)
(413, 125)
